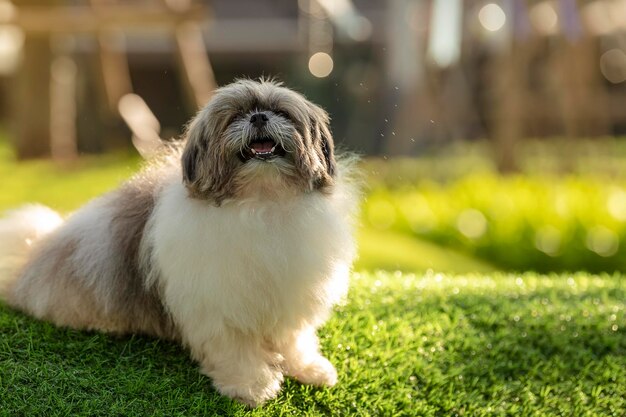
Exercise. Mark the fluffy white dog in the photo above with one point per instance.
(236, 242)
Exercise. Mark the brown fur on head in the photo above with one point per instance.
(218, 162)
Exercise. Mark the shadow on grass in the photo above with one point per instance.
(51, 371)
(72, 372)
(533, 338)
(496, 349)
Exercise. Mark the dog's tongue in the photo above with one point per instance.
(262, 146)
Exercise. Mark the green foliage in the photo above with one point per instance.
(521, 222)
(404, 345)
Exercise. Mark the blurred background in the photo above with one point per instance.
(491, 131)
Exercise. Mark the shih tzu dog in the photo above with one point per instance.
(236, 242)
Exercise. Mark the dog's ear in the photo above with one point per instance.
(207, 168)
(327, 145)
(189, 162)
(193, 152)
(323, 142)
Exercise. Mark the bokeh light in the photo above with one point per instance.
(602, 241)
(548, 240)
(321, 64)
(360, 29)
(492, 17)
(613, 65)
(472, 223)
(616, 205)
(11, 42)
(543, 17)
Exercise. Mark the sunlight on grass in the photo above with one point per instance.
(62, 187)
(396, 251)
(404, 345)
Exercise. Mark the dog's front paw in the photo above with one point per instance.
(319, 372)
(252, 392)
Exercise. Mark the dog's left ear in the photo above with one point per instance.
(323, 142)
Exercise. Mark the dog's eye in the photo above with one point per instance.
(234, 118)
(282, 113)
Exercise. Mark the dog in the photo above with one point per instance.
(236, 241)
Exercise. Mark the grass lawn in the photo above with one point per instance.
(62, 187)
(404, 343)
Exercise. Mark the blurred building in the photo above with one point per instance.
(397, 76)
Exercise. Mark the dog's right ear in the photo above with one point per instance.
(189, 162)
(192, 153)
(207, 167)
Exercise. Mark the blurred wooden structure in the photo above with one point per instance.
(46, 90)
(405, 78)
(521, 69)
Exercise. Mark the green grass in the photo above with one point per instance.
(404, 344)
(392, 251)
(61, 186)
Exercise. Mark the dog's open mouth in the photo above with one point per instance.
(263, 148)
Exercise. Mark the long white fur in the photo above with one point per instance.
(20, 229)
(252, 280)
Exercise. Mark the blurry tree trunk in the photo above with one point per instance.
(31, 104)
(583, 107)
(404, 101)
(94, 119)
(30, 111)
(63, 107)
(509, 74)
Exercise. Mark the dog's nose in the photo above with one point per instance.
(259, 119)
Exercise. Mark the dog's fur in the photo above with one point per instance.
(239, 259)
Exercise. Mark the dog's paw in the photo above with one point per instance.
(254, 392)
(319, 372)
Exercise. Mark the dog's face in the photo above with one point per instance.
(254, 134)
